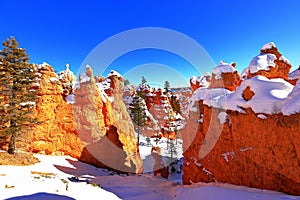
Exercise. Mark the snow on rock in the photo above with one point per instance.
(44, 64)
(114, 73)
(284, 59)
(291, 104)
(214, 97)
(262, 62)
(262, 116)
(244, 73)
(202, 80)
(268, 98)
(223, 67)
(53, 79)
(71, 99)
(269, 45)
(84, 78)
(223, 117)
(31, 103)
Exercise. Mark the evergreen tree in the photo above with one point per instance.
(17, 98)
(126, 82)
(175, 104)
(167, 86)
(138, 113)
(144, 81)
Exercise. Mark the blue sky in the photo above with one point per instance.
(61, 32)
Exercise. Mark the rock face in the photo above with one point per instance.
(81, 120)
(162, 119)
(116, 144)
(57, 133)
(246, 144)
(225, 76)
(269, 63)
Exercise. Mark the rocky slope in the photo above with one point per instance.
(162, 119)
(248, 135)
(82, 120)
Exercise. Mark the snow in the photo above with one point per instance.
(223, 67)
(71, 99)
(102, 86)
(114, 73)
(262, 62)
(284, 59)
(272, 96)
(291, 104)
(294, 75)
(32, 186)
(36, 85)
(269, 45)
(84, 78)
(262, 116)
(201, 80)
(228, 155)
(53, 79)
(31, 103)
(113, 186)
(223, 117)
(244, 73)
(268, 98)
(44, 64)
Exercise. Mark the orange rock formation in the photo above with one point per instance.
(252, 149)
(95, 127)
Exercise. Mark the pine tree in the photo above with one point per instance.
(175, 104)
(144, 81)
(126, 82)
(17, 97)
(138, 113)
(167, 86)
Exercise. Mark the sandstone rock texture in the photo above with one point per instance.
(162, 119)
(244, 147)
(81, 120)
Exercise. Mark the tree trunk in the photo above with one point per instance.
(12, 144)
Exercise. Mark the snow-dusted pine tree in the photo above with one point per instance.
(138, 113)
(17, 97)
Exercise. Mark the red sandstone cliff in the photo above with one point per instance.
(243, 137)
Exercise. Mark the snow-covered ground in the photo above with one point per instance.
(68, 178)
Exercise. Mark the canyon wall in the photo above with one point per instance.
(250, 135)
(84, 120)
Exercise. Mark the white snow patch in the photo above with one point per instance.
(71, 99)
(269, 45)
(202, 80)
(44, 64)
(284, 59)
(223, 117)
(262, 62)
(245, 149)
(223, 67)
(291, 104)
(31, 103)
(53, 79)
(268, 98)
(114, 73)
(227, 155)
(262, 116)
(84, 78)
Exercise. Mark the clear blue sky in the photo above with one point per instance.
(61, 32)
